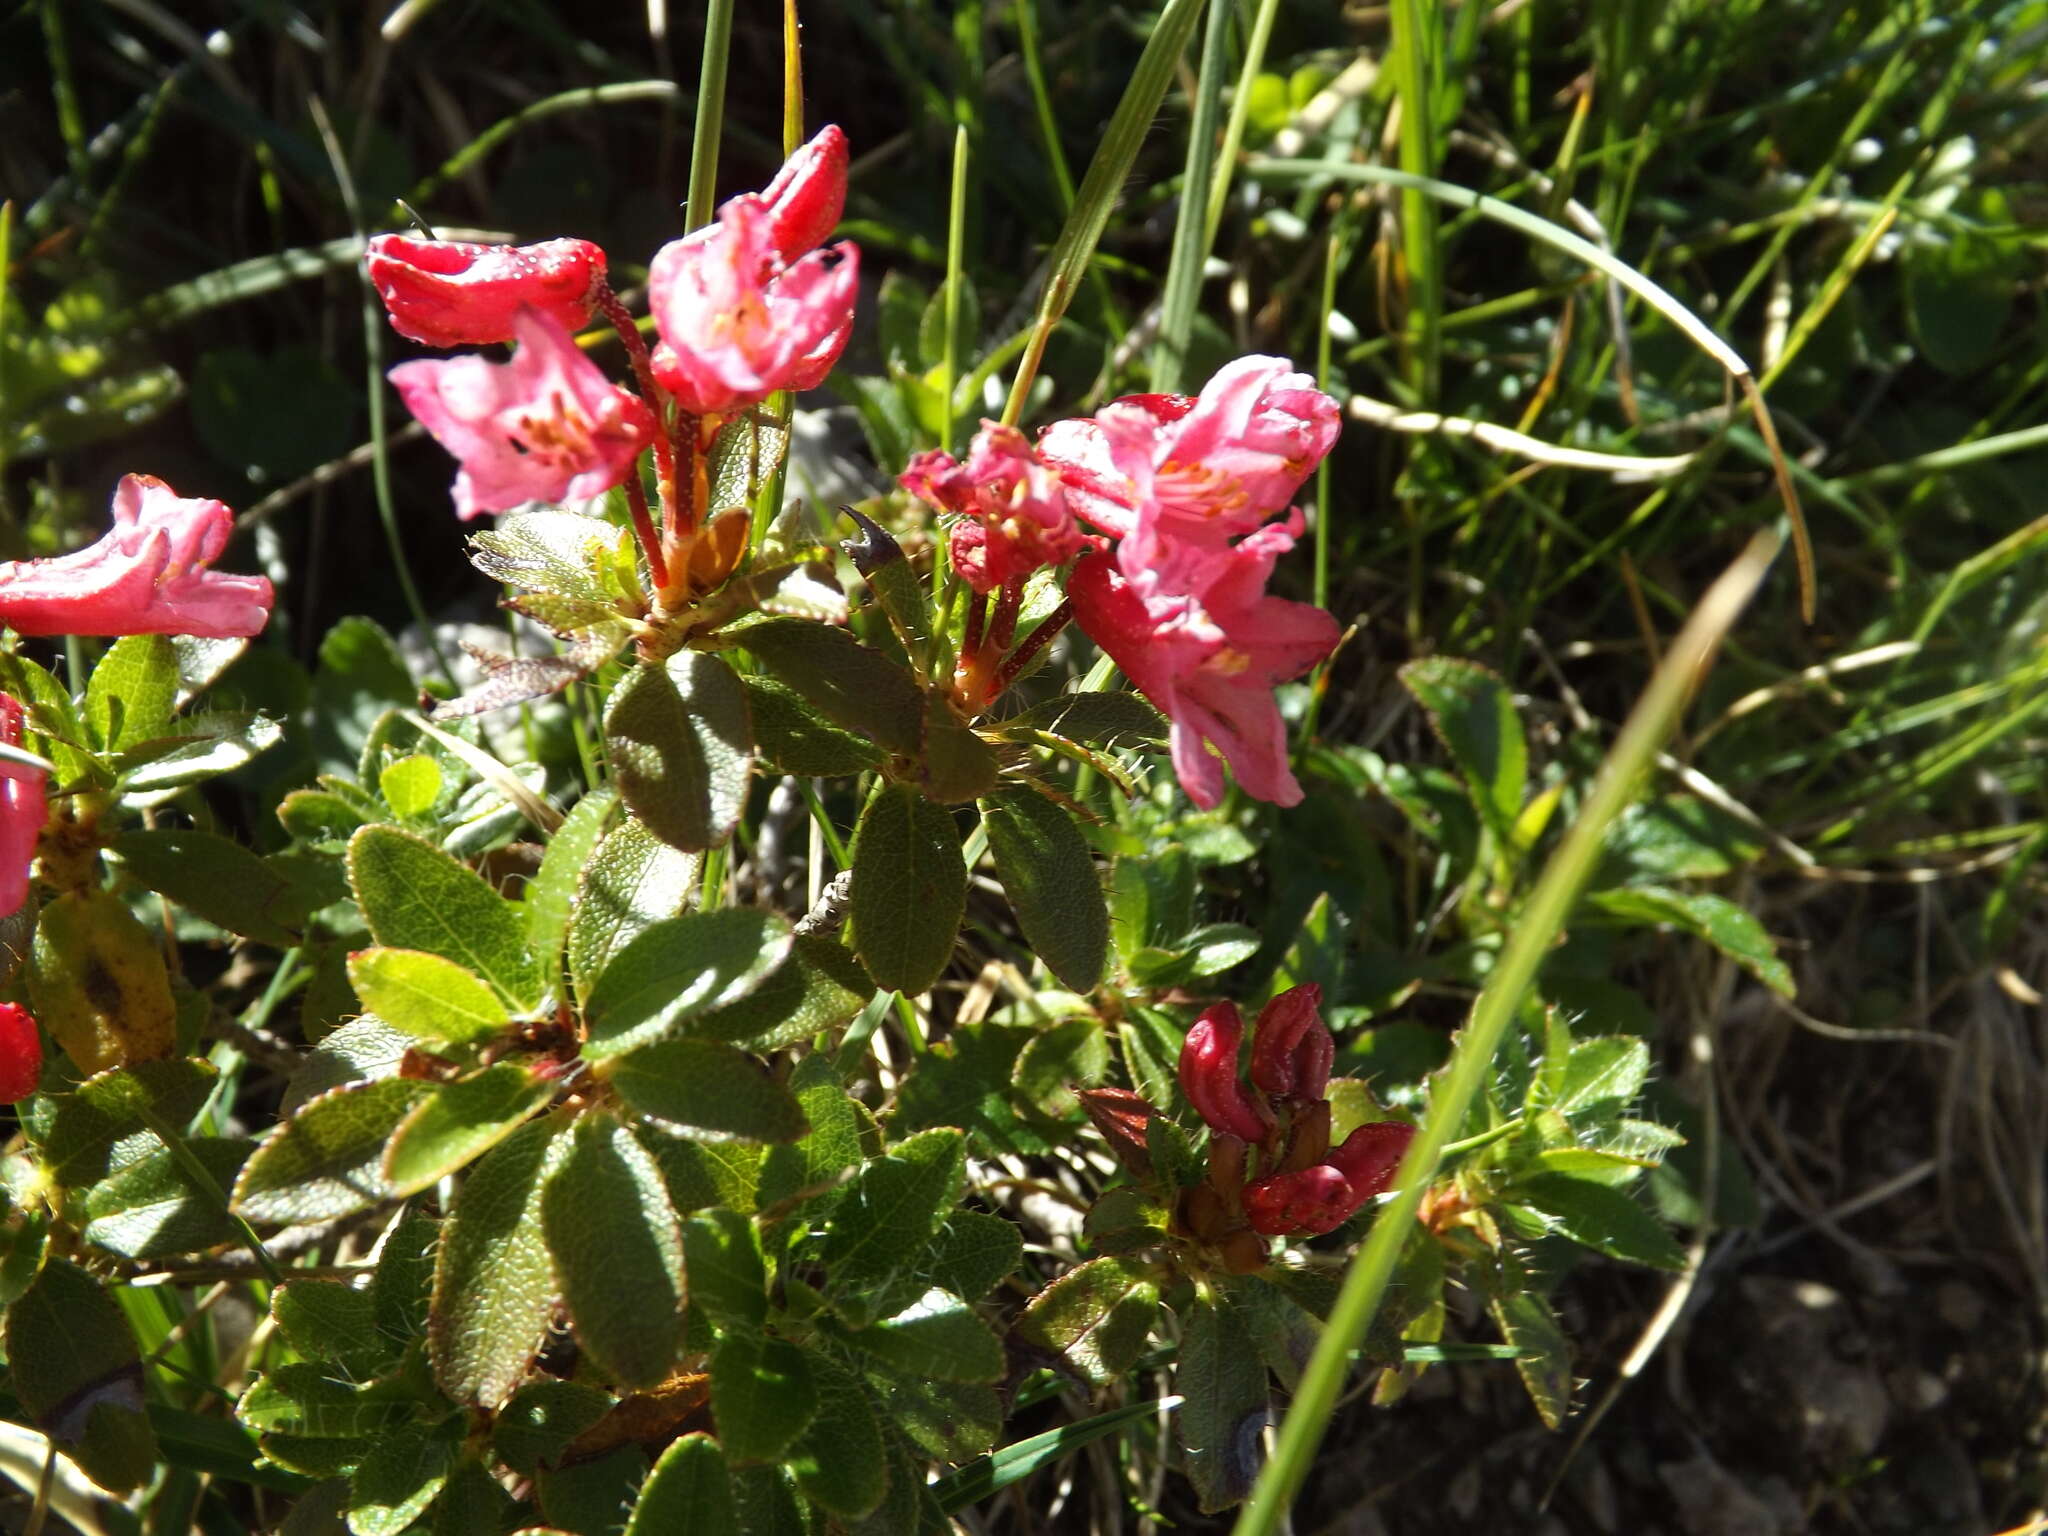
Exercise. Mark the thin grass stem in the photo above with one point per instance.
(710, 114)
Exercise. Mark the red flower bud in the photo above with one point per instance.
(448, 293)
(1313, 1200)
(21, 1053)
(1370, 1154)
(1121, 1116)
(1291, 1049)
(1208, 1075)
(808, 194)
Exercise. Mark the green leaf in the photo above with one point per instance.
(363, 1049)
(361, 675)
(564, 554)
(1607, 1070)
(682, 748)
(494, 1289)
(550, 897)
(1112, 720)
(1222, 1383)
(793, 737)
(107, 1112)
(704, 1173)
(1096, 1317)
(708, 1090)
(1474, 715)
(850, 685)
(152, 1207)
(689, 1492)
(591, 1498)
(1042, 858)
(274, 415)
(1732, 930)
(762, 1393)
(427, 997)
(1152, 900)
(1601, 1218)
(893, 1206)
(402, 1285)
(957, 764)
(950, 1420)
(461, 1122)
(414, 896)
(198, 750)
(411, 786)
(73, 1362)
(937, 1336)
(324, 1161)
(1960, 290)
(132, 691)
(307, 1399)
(332, 1321)
(633, 881)
(216, 878)
(728, 1282)
(617, 1253)
(828, 1148)
(974, 1252)
(909, 889)
(403, 1472)
(1543, 1355)
(819, 988)
(542, 1419)
(1074, 1053)
(677, 970)
(1675, 837)
(840, 1459)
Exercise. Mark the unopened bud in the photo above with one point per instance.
(808, 194)
(1310, 1200)
(1291, 1049)
(1208, 1075)
(1370, 1154)
(21, 1053)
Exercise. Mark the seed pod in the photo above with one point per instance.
(98, 983)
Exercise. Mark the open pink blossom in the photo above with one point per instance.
(1192, 626)
(148, 576)
(22, 813)
(547, 426)
(743, 307)
(1018, 514)
(808, 194)
(448, 293)
(1210, 467)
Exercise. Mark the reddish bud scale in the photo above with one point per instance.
(21, 1053)
(1121, 1116)
(1208, 1075)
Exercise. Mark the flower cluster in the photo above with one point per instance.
(1301, 1185)
(1186, 487)
(748, 305)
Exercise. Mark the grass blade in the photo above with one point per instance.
(1191, 231)
(1648, 727)
(710, 115)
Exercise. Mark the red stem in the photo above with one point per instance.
(1003, 627)
(657, 398)
(970, 639)
(644, 530)
(1034, 642)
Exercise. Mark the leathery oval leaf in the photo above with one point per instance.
(462, 1122)
(682, 747)
(326, 1160)
(494, 1288)
(909, 889)
(1048, 873)
(414, 896)
(707, 1090)
(426, 996)
(617, 1251)
(678, 969)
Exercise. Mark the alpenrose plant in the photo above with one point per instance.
(605, 1192)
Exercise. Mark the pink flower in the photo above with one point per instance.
(22, 813)
(744, 305)
(450, 294)
(547, 426)
(147, 576)
(1192, 626)
(1020, 520)
(808, 194)
(1209, 468)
